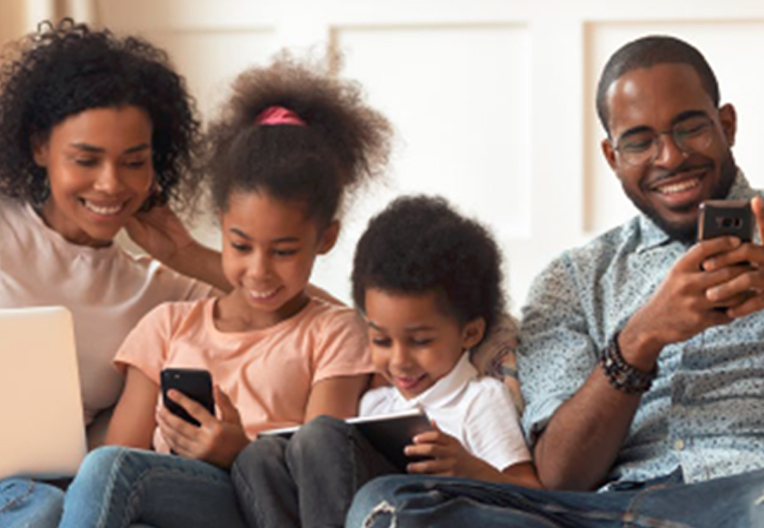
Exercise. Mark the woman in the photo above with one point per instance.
(99, 134)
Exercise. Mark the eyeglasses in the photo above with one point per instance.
(690, 135)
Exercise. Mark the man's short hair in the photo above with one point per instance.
(646, 52)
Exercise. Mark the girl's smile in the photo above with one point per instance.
(269, 247)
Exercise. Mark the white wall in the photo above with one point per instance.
(492, 99)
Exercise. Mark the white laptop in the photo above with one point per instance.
(42, 431)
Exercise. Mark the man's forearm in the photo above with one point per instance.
(581, 441)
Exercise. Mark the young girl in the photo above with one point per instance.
(429, 283)
(98, 132)
(291, 143)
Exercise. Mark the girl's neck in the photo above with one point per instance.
(234, 314)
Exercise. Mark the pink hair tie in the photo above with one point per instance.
(278, 115)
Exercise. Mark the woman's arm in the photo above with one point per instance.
(163, 236)
(134, 421)
(337, 396)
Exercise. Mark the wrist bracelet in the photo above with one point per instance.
(624, 377)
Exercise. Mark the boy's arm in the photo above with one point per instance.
(134, 421)
(337, 396)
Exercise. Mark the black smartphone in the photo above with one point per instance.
(194, 383)
(725, 218)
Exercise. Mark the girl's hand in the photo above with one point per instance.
(446, 456)
(215, 441)
(160, 233)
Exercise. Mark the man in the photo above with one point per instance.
(642, 353)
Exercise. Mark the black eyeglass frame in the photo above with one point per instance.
(680, 134)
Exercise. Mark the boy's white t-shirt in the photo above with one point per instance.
(479, 412)
(107, 290)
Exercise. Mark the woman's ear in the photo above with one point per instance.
(40, 150)
(473, 332)
(329, 237)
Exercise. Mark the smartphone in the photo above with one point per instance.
(194, 383)
(725, 218)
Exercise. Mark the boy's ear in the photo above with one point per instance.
(329, 237)
(473, 332)
(40, 150)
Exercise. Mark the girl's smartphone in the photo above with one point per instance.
(725, 218)
(194, 383)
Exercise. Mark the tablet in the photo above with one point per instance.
(387, 433)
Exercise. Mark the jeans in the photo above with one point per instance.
(307, 481)
(407, 501)
(118, 487)
(26, 503)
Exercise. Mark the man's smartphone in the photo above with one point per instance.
(725, 218)
(194, 383)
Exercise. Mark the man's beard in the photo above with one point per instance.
(687, 233)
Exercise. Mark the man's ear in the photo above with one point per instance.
(40, 150)
(473, 332)
(329, 237)
(728, 120)
(609, 152)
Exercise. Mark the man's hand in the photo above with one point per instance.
(746, 291)
(215, 441)
(684, 304)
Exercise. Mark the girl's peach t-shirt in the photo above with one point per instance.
(268, 374)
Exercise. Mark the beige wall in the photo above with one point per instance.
(492, 99)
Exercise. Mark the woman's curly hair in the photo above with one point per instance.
(419, 244)
(344, 143)
(68, 68)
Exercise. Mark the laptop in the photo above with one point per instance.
(43, 430)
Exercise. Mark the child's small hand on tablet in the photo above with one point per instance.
(445, 455)
(217, 441)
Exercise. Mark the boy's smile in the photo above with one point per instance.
(414, 343)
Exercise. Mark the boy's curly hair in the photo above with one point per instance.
(344, 144)
(68, 68)
(420, 244)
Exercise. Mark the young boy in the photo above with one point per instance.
(429, 284)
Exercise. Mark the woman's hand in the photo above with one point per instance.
(160, 233)
(217, 441)
(163, 236)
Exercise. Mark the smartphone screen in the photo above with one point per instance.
(194, 383)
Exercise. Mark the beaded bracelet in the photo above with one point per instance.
(624, 377)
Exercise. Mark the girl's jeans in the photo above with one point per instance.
(117, 487)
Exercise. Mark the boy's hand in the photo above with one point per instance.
(215, 441)
(446, 456)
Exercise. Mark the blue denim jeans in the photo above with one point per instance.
(27, 503)
(307, 481)
(117, 487)
(408, 501)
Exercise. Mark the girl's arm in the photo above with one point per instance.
(133, 422)
(337, 396)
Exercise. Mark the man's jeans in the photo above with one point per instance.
(117, 487)
(26, 503)
(408, 501)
